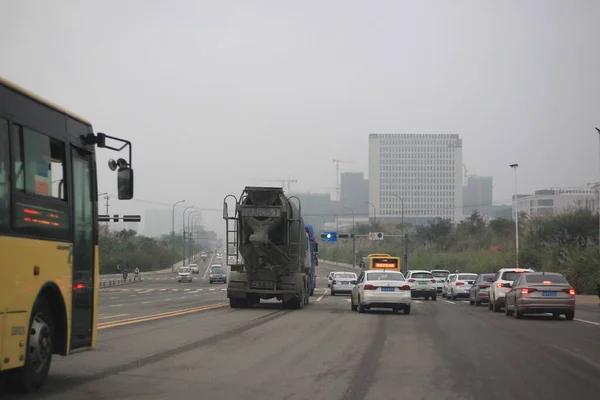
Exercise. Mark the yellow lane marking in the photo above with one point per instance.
(112, 316)
(152, 317)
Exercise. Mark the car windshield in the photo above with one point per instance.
(467, 277)
(385, 276)
(184, 270)
(217, 270)
(421, 275)
(440, 274)
(546, 279)
(510, 275)
(345, 276)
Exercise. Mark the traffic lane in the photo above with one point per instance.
(502, 357)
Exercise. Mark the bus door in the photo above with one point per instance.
(83, 249)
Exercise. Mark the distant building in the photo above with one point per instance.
(478, 195)
(424, 171)
(354, 192)
(555, 201)
(317, 208)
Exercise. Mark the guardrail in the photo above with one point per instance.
(118, 282)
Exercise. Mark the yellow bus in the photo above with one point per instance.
(381, 261)
(48, 233)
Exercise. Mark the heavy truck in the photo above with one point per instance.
(274, 254)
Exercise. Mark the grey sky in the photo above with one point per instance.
(214, 94)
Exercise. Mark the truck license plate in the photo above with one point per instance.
(261, 284)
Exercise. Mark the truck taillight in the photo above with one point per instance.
(78, 286)
(368, 286)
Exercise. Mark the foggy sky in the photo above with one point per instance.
(218, 94)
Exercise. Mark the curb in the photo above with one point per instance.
(119, 282)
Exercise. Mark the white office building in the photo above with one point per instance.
(423, 171)
(555, 201)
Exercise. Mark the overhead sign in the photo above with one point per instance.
(375, 235)
(329, 237)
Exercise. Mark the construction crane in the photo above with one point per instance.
(338, 188)
(284, 182)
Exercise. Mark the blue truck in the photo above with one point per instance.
(314, 261)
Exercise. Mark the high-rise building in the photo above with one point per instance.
(478, 194)
(354, 192)
(422, 171)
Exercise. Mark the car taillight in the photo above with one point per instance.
(499, 284)
(404, 287)
(571, 291)
(528, 290)
(78, 286)
(484, 286)
(411, 280)
(433, 281)
(459, 283)
(369, 287)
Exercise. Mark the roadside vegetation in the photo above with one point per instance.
(566, 243)
(126, 247)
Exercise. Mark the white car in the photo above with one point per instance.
(184, 275)
(502, 283)
(449, 279)
(422, 284)
(342, 282)
(381, 289)
(330, 278)
(194, 268)
(461, 286)
(440, 276)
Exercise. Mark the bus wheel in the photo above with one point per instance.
(33, 374)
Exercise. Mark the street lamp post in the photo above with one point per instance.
(598, 201)
(189, 237)
(374, 216)
(173, 228)
(183, 229)
(353, 238)
(516, 207)
(404, 241)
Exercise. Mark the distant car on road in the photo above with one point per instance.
(503, 281)
(381, 289)
(184, 275)
(541, 292)
(461, 286)
(480, 291)
(194, 268)
(342, 282)
(217, 274)
(440, 276)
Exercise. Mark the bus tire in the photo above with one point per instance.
(32, 376)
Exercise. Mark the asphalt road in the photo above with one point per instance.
(442, 350)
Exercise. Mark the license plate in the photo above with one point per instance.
(549, 294)
(422, 283)
(440, 281)
(344, 283)
(387, 289)
(261, 285)
(467, 291)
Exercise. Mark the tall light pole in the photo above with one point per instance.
(402, 211)
(173, 228)
(598, 201)
(516, 206)
(194, 238)
(353, 238)
(404, 241)
(374, 216)
(183, 229)
(189, 236)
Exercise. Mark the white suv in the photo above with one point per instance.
(502, 283)
(422, 284)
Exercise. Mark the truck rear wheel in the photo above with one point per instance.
(32, 376)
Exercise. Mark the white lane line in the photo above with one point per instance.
(449, 302)
(183, 297)
(162, 290)
(323, 295)
(174, 290)
(145, 302)
(211, 289)
(112, 298)
(168, 299)
(116, 305)
(185, 290)
(222, 290)
(208, 266)
(417, 301)
(587, 322)
(196, 295)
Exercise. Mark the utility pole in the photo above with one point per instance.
(106, 205)
(516, 206)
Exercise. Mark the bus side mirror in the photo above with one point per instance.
(125, 183)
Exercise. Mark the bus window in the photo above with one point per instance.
(39, 163)
(4, 171)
